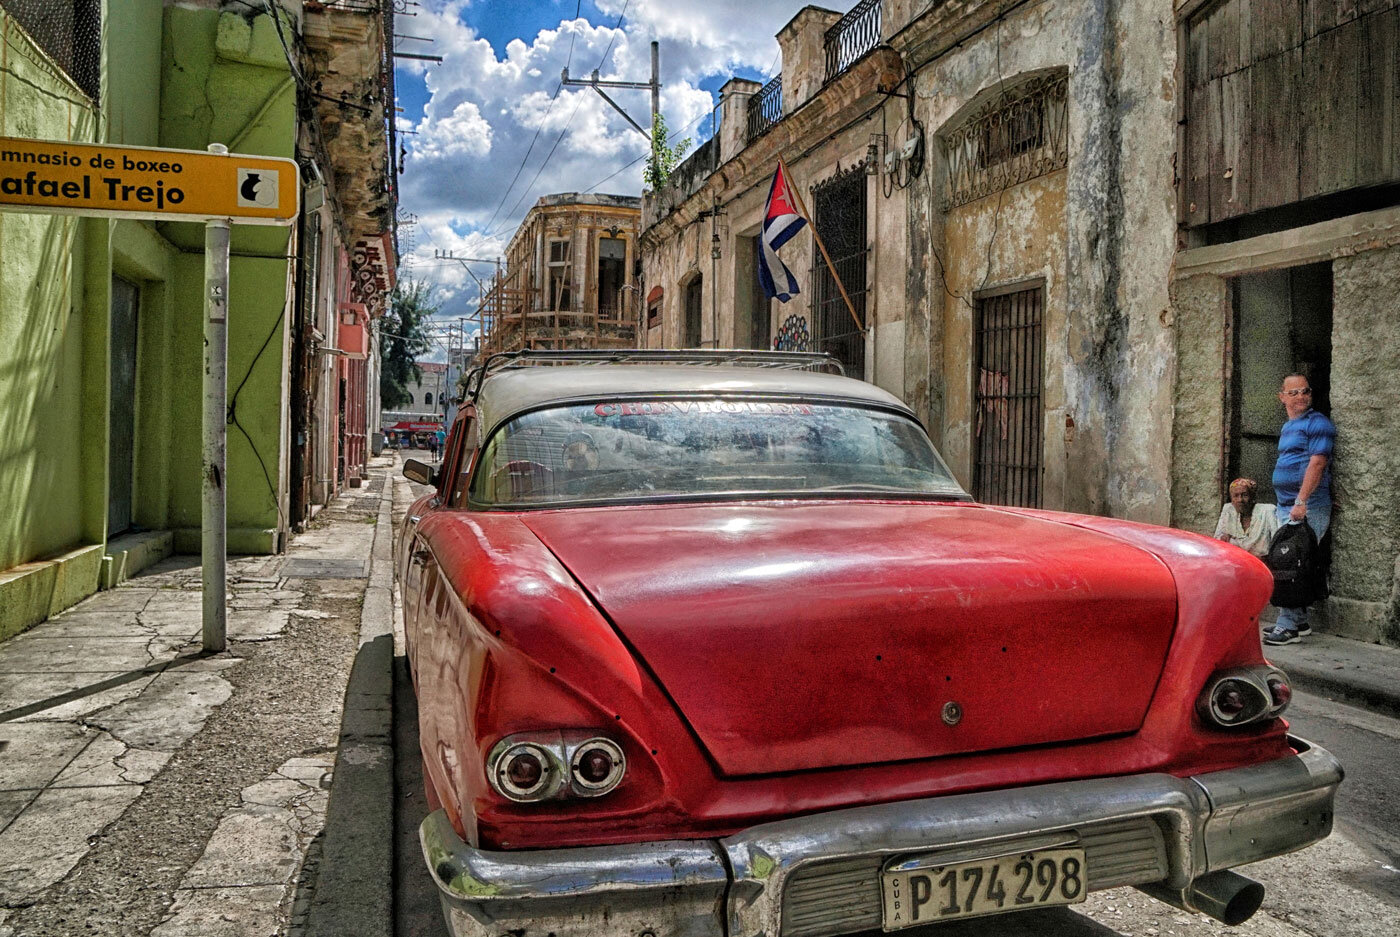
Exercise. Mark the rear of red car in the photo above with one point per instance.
(836, 709)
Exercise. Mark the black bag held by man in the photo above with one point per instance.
(1292, 558)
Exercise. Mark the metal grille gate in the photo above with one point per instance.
(839, 209)
(1009, 349)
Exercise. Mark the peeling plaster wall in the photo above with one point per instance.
(1105, 246)
(676, 260)
(1013, 237)
(1202, 309)
(1365, 361)
(1101, 232)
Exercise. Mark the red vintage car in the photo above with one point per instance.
(714, 644)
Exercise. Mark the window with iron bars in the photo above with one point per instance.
(69, 32)
(839, 207)
(1020, 134)
(1008, 417)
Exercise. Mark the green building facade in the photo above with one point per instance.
(101, 321)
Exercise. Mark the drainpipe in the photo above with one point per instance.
(714, 275)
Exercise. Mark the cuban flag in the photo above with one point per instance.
(780, 222)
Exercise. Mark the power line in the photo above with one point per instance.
(634, 162)
(579, 100)
(521, 168)
(573, 34)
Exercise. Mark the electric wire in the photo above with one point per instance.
(543, 120)
(577, 103)
(231, 419)
(634, 162)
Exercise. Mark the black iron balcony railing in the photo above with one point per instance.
(854, 34)
(766, 107)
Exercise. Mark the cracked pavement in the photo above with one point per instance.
(148, 788)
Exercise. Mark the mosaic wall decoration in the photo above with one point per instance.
(794, 335)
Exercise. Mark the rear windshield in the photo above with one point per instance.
(683, 449)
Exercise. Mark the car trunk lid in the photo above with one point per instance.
(795, 636)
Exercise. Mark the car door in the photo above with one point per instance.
(420, 570)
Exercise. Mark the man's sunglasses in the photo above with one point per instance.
(1297, 391)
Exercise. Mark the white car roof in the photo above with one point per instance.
(508, 393)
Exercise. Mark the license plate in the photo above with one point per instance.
(985, 886)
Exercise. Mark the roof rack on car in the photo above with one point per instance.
(742, 357)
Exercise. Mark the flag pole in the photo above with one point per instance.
(802, 209)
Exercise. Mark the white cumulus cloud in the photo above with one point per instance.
(497, 132)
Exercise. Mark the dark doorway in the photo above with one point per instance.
(759, 306)
(612, 266)
(1009, 351)
(693, 290)
(839, 203)
(1282, 324)
(121, 440)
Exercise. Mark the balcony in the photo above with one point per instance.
(766, 107)
(852, 37)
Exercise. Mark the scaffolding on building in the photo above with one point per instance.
(568, 281)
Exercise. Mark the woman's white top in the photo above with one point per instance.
(1263, 523)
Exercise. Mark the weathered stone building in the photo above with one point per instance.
(1085, 241)
(972, 167)
(1290, 222)
(569, 279)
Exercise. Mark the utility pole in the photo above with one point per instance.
(654, 86)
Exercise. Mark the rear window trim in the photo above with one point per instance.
(699, 498)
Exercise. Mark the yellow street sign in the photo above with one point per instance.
(146, 182)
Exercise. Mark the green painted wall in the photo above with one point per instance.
(226, 81)
(172, 77)
(43, 328)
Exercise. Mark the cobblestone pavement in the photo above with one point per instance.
(148, 788)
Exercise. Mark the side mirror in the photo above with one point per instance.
(419, 472)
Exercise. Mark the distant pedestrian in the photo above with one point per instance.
(433, 446)
(1244, 522)
(1302, 484)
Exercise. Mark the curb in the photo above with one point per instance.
(1343, 669)
(1320, 682)
(354, 894)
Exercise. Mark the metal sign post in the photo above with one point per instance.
(213, 187)
(214, 535)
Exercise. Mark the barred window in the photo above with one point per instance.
(69, 32)
(1019, 134)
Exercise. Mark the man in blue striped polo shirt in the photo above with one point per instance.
(1302, 484)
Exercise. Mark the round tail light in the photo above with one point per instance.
(1235, 701)
(597, 767)
(525, 772)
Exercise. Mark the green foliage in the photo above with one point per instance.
(663, 158)
(405, 338)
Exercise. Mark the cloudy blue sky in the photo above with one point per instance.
(488, 130)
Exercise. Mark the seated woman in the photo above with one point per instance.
(1246, 524)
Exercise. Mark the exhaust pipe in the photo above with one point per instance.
(1226, 896)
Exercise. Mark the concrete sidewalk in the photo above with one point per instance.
(1366, 675)
(147, 788)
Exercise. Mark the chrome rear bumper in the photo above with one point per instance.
(820, 875)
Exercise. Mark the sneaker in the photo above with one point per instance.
(1303, 631)
(1281, 636)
